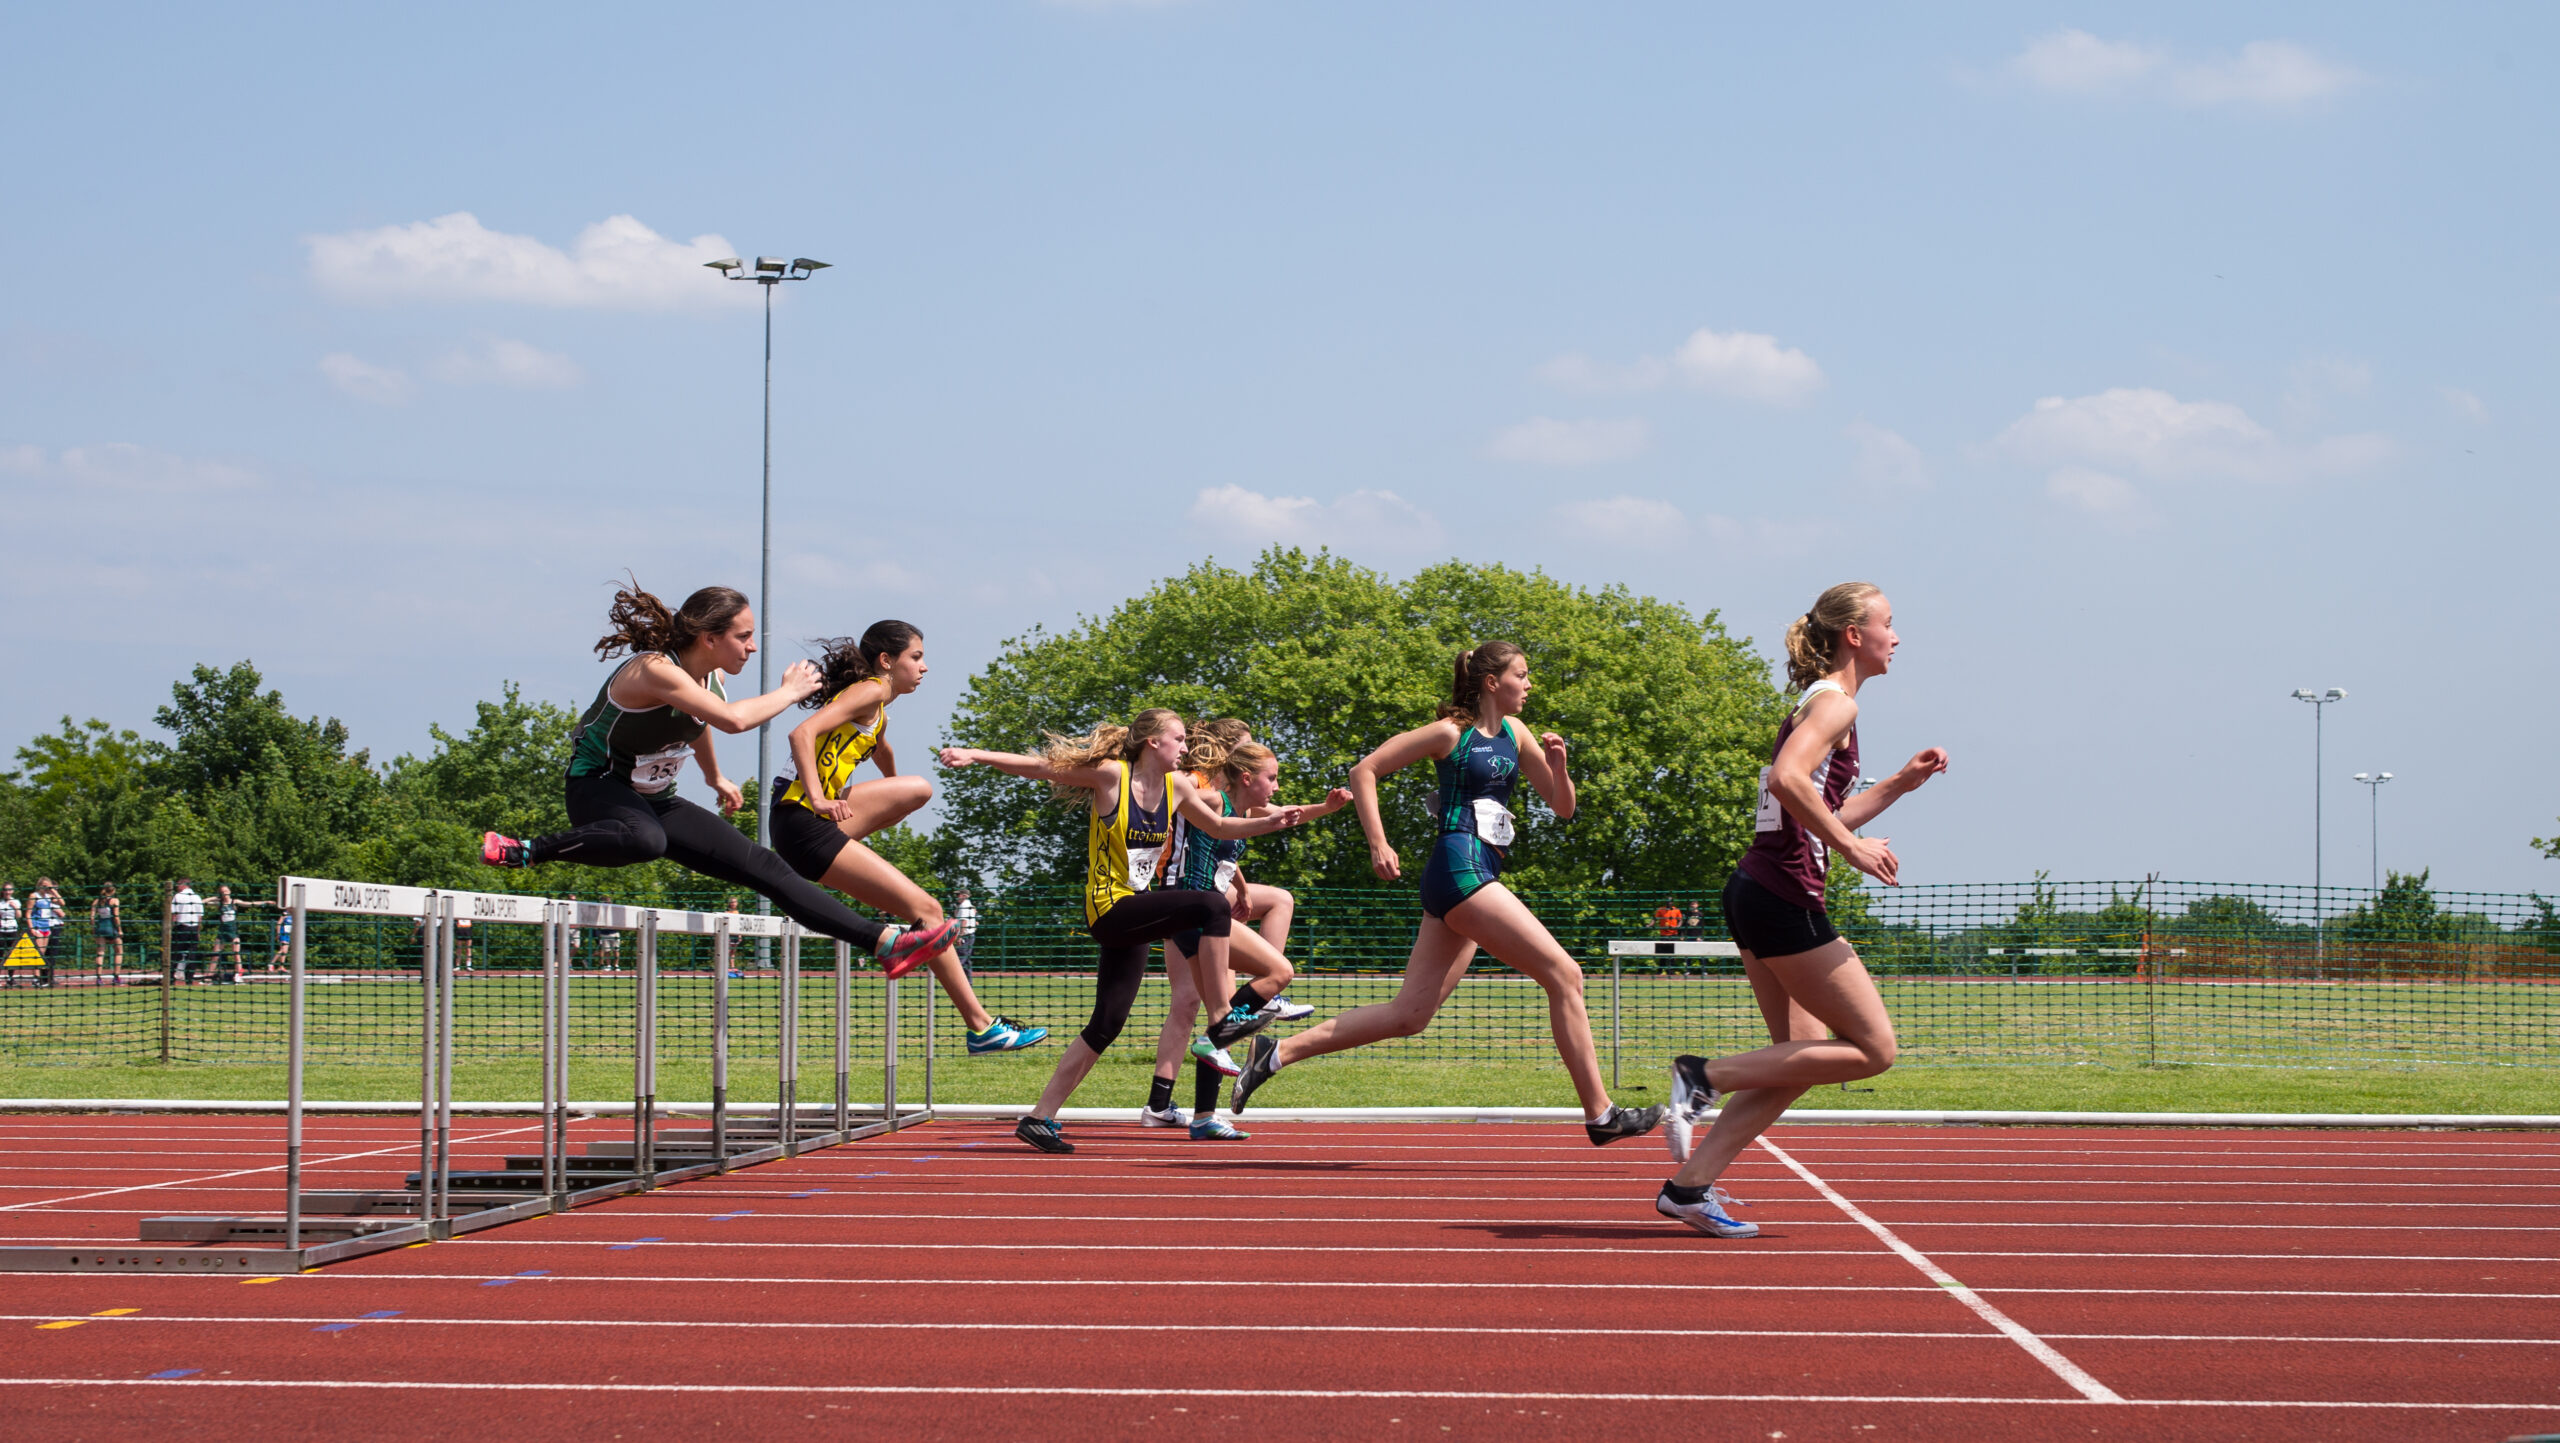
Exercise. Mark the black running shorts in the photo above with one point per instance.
(805, 841)
(1765, 924)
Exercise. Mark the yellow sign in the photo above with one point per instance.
(25, 954)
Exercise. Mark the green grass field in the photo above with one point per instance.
(2099, 1045)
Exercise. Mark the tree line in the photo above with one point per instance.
(1669, 719)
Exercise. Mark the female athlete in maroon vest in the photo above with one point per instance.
(1804, 976)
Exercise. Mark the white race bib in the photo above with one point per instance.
(1225, 880)
(1142, 867)
(1493, 822)
(1771, 816)
(657, 771)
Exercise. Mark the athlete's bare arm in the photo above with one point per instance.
(1431, 739)
(1101, 779)
(1861, 809)
(1187, 800)
(707, 756)
(1543, 765)
(1827, 719)
(657, 681)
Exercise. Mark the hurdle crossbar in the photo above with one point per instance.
(373, 1221)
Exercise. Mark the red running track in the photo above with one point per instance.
(1320, 1281)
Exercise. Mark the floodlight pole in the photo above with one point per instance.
(768, 272)
(2320, 702)
(2373, 788)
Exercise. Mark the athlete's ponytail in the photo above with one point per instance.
(1813, 639)
(847, 660)
(1107, 742)
(1475, 670)
(641, 622)
(1211, 741)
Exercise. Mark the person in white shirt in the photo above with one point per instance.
(186, 924)
(8, 928)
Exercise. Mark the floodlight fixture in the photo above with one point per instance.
(2320, 704)
(806, 264)
(770, 265)
(723, 266)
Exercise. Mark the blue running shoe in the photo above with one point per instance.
(1707, 1214)
(1211, 1129)
(1003, 1034)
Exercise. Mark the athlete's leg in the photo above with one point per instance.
(1502, 924)
(883, 802)
(610, 826)
(1745, 1114)
(1173, 1040)
(1831, 985)
(1253, 954)
(867, 877)
(701, 842)
(1440, 958)
(1273, 909)
(1123, 935)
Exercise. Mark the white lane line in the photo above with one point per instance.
(696, 1190)
(308, 1164)
(1669, 1248)
(861, 1390)
(2401, 1295)
(1442, 1219)
(1015, 1325)
(2037, 1348)
(1644, 1168)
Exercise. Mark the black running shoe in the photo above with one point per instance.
(1042, 1133)
(1259, 1064)
(1620, 1123)
(1242, 1022)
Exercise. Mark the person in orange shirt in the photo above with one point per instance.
(1666, 920)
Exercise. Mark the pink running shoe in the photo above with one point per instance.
(500, 851)
(912, 947)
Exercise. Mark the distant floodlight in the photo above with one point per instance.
(2386, 776)
(2337, 693)
(722, 266)
(2304, 694)
(806, 264)
(770, 265)
(2364, 776)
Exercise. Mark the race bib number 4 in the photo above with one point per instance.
(657, 771)
(1493, 822)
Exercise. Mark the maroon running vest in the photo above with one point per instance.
(1784, 857)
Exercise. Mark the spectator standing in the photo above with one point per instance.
(226, 933)
(468, 959)
(186, 930)
(284, 938)
(8, 929)
(1695, 927)
(1666, 921)
(967, 912)
(106, 929)
(44, 920)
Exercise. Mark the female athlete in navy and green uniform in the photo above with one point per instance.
(1475, 741)
(650, 714)
(1127, 778)
(821, 814)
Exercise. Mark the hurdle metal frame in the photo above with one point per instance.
(374, 1220)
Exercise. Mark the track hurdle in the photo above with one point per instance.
(1622, 949)
(440, 1200)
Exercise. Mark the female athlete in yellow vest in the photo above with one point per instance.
(821, 814)
(1127, 780)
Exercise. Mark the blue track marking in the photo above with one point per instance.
(726, 1217)
(527, 1273)
(333, 1327)
(177, 1373)
(635, 1242)
(385, 1313)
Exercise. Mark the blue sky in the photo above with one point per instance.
(2156, 360)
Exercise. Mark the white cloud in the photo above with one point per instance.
(1546, 441)
(615, 264)
(1630, 521)
(383, 385)
(123, 466)
(1886, 461)
(507, 363)
(2155, 435)
(2095, 492)
(2276, 74)
(2466, 405)
(1370, 517)
(1743, 365)
(2075, 62)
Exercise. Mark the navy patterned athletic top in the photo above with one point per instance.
(1479, 767)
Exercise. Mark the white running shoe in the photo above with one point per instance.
(1292, 1011)
(1216, 1057)
(1692, 1098)
(1170, 1117)
(1707, 1214)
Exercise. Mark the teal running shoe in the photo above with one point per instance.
(1212, 1129)
(1216, 1057)
(1003, 1034)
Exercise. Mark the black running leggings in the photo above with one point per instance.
(614, 826)
(1123, 934)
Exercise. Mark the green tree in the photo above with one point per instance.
(2405, 910)
(2547, 846)
(1668, 718)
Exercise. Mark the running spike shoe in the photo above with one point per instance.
(1169, 1117)
(1042, 1133)
(1619, 1123)
(1692, 1098)
(503, 851)
(1211, 1129)
(1261, 1061)
(1242, 1021)
(1004, 1035)
(1707, 1214)
(902, 950)
(1216, 1057)
(1292, 1011)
